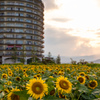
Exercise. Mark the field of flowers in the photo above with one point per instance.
(49, 82)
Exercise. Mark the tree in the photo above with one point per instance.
(34, 57)
(58, 59)
(23, 55)
(73, 61)
(49, 55)
(14, 55)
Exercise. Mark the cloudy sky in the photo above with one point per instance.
(72, 27)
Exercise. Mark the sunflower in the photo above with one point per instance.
(61, 95)
(10, 73)
(51, 77)
(37, 88)
(35, 76)
(17, 78)
(8, 83)
(6, 90)
(25, 74)
(93, 84)
(52, 92)
(82, 73)
(81, 79)
(4, 76)
(38, 75)
(12, 96)
(63, 85)
(87, 77)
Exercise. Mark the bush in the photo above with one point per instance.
(36, 63)
(14, 64)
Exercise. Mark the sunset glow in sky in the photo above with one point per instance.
(72, 27)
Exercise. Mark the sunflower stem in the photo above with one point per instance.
(72, 96)
(79, 95)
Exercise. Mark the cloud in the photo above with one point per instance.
(57, 41)
(61, 19)
(50, 4)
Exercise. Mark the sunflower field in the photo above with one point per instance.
(49, 82)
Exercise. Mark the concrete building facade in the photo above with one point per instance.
(21, 30)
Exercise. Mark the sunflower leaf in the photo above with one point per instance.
(23, 94)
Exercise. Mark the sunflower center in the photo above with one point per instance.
(18, 79)
(80, 80)
(37, 88)
(63, 84)
(52, 92)
(4, 76)
(92, 84)
(15, 97)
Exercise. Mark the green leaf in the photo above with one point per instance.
(83, 88)
(23, 94)
(1, 87)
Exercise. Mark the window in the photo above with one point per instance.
(19, 19)
(35, 22)
(27, 10)
(1, 19)
(29, 21)
(28, 15)
(11, 14)
(21, 9)
(29, 26)
(19, 30)
(1, 3)
(28, 37)
(28, 42)
(13, 19)
(28, 48)
(35, 27)
(10, 24)
(1, 30)
(1, 14)
(1, 8)
(1, 47)
(10, 3)
(22, 4)
(21, 14)
(19, 25)
(28, 5)
(19, 36)
(9, 41)
(19, 42)
(29, 31)
(9, 8)
(10, 35)
(1, 41)
(2, 24)
(10, 30)
(1, 36)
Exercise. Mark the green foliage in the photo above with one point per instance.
(58, 59)
(36, 63)
(93, 65)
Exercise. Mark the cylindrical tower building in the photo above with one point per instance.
(21, 30)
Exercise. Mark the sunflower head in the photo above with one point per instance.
(61, 95)
(93, 84)
(63, 85)
(82, 73)
(52, 92)
(37, 88)
(81, 79)
(10, 73)
(18, 78)
(4, 76)
(12, 96)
